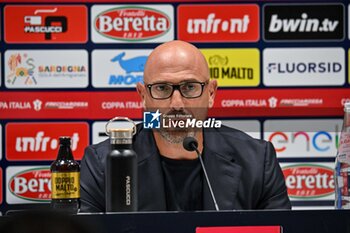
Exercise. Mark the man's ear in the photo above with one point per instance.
(212, 87)
(141, 91)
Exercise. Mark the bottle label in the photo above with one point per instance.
(65, 185)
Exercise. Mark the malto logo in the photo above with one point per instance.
(308, 181)
(218, 23)
(234, 67)
(45, 24)
(40, 141)
(28, 184)
(131, 23)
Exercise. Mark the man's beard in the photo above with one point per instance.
(177, 135)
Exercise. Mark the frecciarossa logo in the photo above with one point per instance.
(32, 184)
(132, 23)
(308, 180)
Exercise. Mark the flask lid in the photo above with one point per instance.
(347, 107)
(120, 132)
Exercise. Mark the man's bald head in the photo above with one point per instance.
(175, 56)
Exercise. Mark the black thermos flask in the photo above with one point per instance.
(121, 172)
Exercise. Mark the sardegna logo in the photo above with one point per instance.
(40, 141)
(308, 181)
(120, 23)
(28, 184)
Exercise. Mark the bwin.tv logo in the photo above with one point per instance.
(151, 120)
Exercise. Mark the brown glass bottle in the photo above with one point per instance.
(65, 179)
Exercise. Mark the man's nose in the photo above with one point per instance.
(176, 101)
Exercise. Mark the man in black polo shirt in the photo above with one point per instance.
(243, 171)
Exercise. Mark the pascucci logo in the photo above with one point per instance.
(132, 23)
(304, 67)
(48, 25)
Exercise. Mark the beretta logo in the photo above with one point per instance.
(307, 181)
(131, 23)
(40, 141)
(218, 23)
(45, 24)
(32, 184)
(304, 22)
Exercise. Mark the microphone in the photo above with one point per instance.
(191, 144)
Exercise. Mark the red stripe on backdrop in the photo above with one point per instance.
(228, 103)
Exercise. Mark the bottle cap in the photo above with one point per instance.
(121, 133)
(65, 140)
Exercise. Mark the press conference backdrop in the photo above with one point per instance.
(68, 67)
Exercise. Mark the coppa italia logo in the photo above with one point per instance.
(131, 23)
(40, 141)
(234, 67)
(218, 23)
(306, 181)
(304, 22)
(45, 24)
(28, 184)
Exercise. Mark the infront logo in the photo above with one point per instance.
(40, 141)
(303, 22)
(218, 23)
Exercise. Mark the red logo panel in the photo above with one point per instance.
(308, 180)
(45, 24)
(218, 23)
(40, 141)
(0, 185)
(32, 185)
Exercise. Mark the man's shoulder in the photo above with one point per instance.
(229, 141)
(100, 148)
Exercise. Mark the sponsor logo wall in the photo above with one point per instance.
(66, 69)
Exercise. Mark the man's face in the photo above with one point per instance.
(178, 67)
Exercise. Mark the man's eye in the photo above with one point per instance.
(162, 87)
(188, 87)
